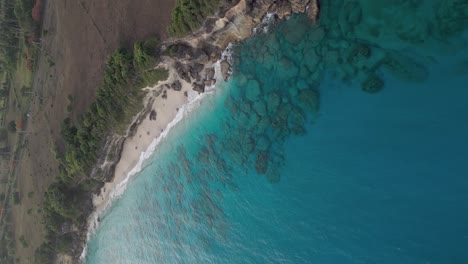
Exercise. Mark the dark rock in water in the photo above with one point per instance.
(404, 68)
(261, 162)
(309, 100)
(176, 86)
(296, 121)
(301, 84)
(297, 35)
(153, 115)
(263, 125)
(198, 87)
(243, 119)
(211, 140)
(353, 12)
(260, 107)
(280, 121)
(451, 17)
(253, 120)
(225, 69)
(245, 107)
(231, 104)
(286, 68)
(210, 72)
(316, 35)
(263, 143)
(248, 144)
(252, 90)
(358, 52)
(273, 102)
(204, 156)
(372, 84)
(311, 60)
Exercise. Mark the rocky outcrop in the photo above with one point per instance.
(176, 85)
(298, 6)
(193, 56)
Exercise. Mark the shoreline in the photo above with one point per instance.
(143, 143)
(238, 23)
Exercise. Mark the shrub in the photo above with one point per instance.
(188, 15)
(12, 126)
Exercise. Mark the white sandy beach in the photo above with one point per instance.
(146, 133)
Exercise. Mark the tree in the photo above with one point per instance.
(141, 57)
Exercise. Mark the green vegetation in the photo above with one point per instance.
(23, 241)
(16, 198)
(188, 15)
(117, 100)
(12, 126)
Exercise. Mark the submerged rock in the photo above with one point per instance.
(311, 60)
(263, 143)
(253, 120)
(252, 90)
(286, 68)
(404, 68)
(273, 102)
(296, 121)
(452, 17)
(245, 107)
(225, 67)
(210, 72)
(263, 124)
(204, 156)
(372, 84)
(247, 144)
(316, 35)
(295, 36)
(309, 100)
(260, 107)
(261, 162)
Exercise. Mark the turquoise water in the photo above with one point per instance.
(345, 142)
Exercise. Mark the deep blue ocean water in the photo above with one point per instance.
(345, 142)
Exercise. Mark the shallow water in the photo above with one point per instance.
(340, 143)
